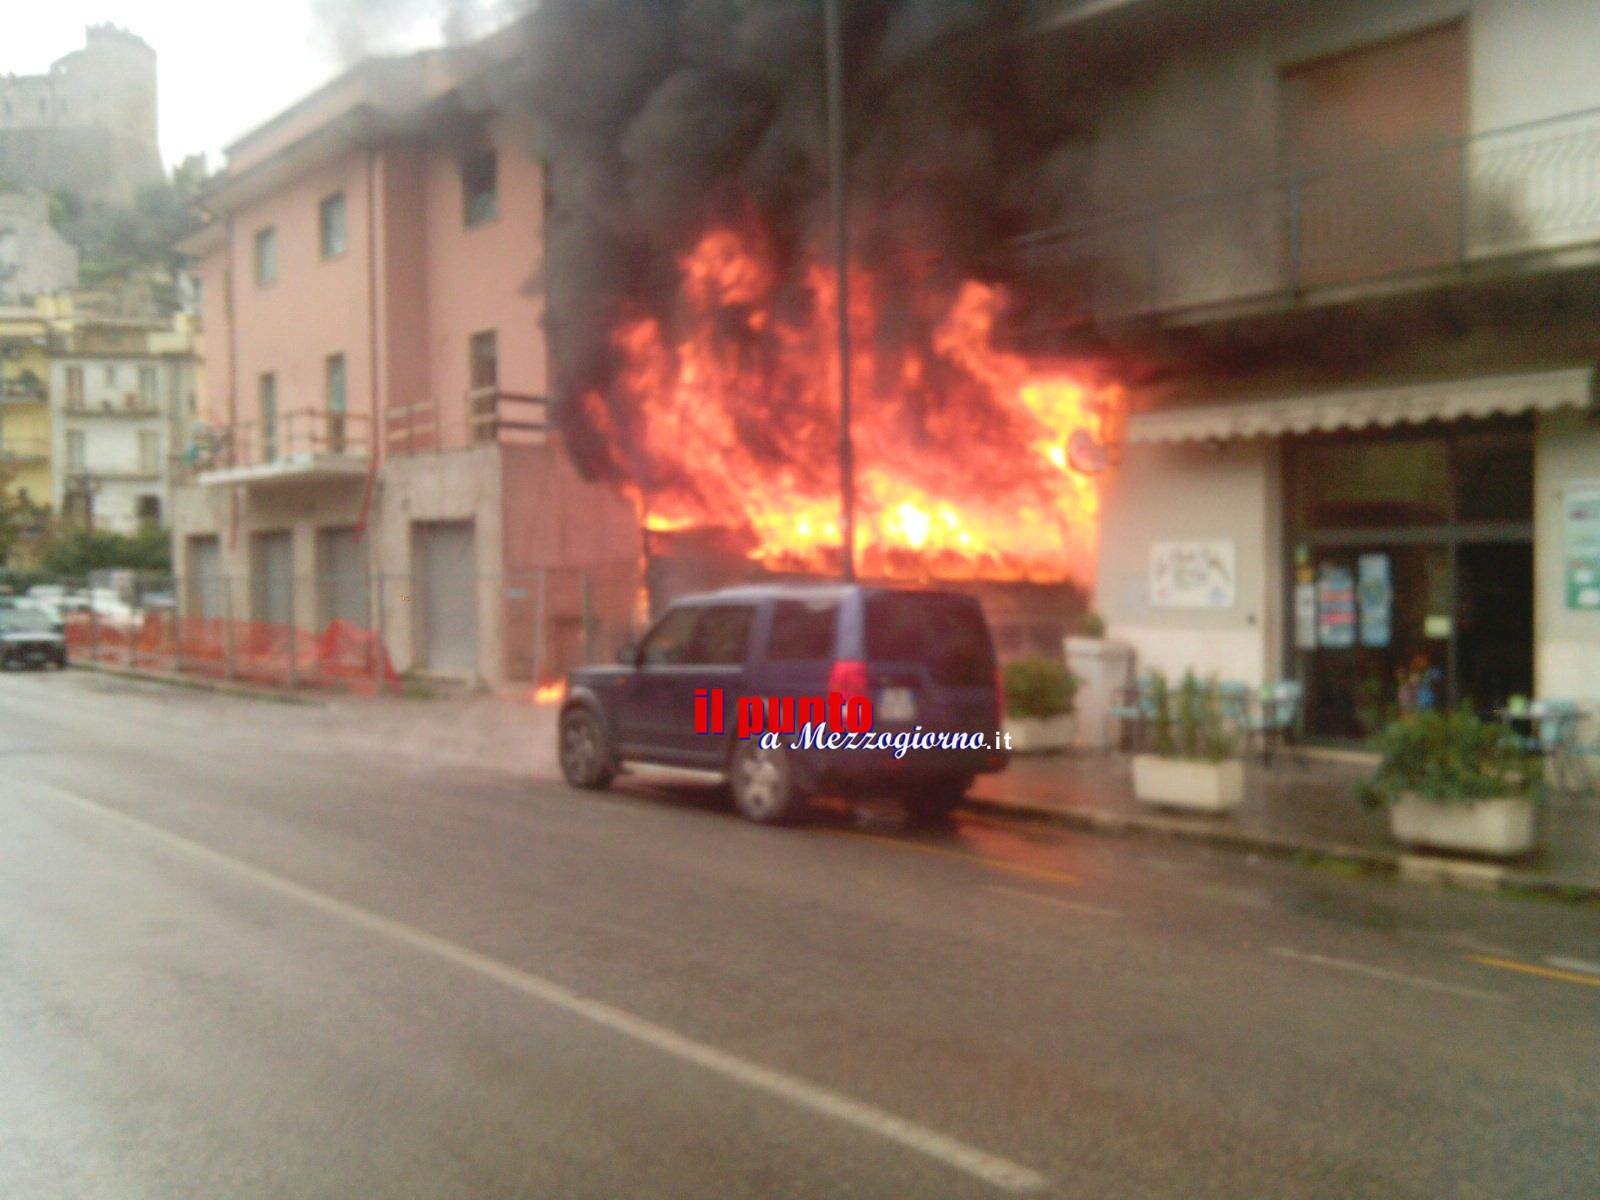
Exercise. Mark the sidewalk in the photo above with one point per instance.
(1295, 807)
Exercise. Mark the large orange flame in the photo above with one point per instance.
(961, 447)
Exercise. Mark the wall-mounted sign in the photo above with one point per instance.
(1580, 531)
(1336, 607)
(1375, 597)
(1192, 574)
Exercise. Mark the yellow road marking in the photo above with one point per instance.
(1511, 964)
(998, 864)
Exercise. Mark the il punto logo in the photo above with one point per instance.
(781, 714)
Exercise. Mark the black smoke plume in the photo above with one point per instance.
(661, 118)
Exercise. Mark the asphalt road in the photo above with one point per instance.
(239, 961)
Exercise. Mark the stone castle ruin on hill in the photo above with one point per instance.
(88, 124)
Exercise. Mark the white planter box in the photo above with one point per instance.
(1502, 827)
(1037, 735)
(1188, 782)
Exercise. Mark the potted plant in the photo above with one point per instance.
(1039, 695)
(1453, 781)
(1190, 761)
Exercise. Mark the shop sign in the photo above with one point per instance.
(1192, 574)
(1376, 597)
(1336, 607)
(1581, 542)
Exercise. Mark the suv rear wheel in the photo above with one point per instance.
(762, 783)
(585, 751)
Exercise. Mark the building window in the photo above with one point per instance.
(480, 188)
(268, 393)
(75, 387)
(149, 394)
(483, 361)
(1374, 135)
(337, 401)
(149, 452)
(76, 459)
(149, 510)
(266, 256)
(331, 224)
(109, 374)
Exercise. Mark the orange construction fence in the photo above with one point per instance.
(342, 655)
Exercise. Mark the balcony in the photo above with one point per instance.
(302, 446)
(24, 451)
(130, 405)
(22, 391)
(1514, 201)
(489, 416)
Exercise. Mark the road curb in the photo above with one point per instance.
(1437, 870)
(197, 683)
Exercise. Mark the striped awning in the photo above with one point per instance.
(1410, 404)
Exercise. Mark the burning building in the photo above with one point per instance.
(540, 309)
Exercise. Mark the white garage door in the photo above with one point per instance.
(272, 578)
(446, 569)
(205, 598)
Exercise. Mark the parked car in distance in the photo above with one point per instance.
(28, 638)
(925, 659)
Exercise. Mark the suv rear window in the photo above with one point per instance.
(802, 630)
(945, 633)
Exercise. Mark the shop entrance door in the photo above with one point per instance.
(1411, 572)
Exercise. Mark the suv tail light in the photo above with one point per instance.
(848, 677)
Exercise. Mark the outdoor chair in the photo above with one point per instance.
(1276, 715)
(1133, 712)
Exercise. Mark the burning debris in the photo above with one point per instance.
(692, 314)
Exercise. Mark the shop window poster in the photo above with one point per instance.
(1336, 607)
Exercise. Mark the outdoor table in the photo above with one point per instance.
(1551, 731)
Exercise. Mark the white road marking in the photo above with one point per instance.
(1581, 965)
(990, 1168)
(1416, 981)
(1077, 906)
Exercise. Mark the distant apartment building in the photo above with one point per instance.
(1356, 247)
(374, 444)
(122, 398)
(93, 408)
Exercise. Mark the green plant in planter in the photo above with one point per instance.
(1189, 722)
(1038, 687)
(1453, 757)
(1091, 625)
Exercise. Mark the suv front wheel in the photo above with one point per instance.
(585, 751)
(762, 783)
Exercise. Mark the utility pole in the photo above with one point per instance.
(841, 266)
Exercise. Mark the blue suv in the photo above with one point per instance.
(924, 660)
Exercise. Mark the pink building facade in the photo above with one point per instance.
(373, 443)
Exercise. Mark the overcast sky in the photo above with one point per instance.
(223, 65)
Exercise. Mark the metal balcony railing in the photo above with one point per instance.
(300, 436)
(488, 415)
(1525, 190)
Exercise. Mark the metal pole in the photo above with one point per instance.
(841, 266)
